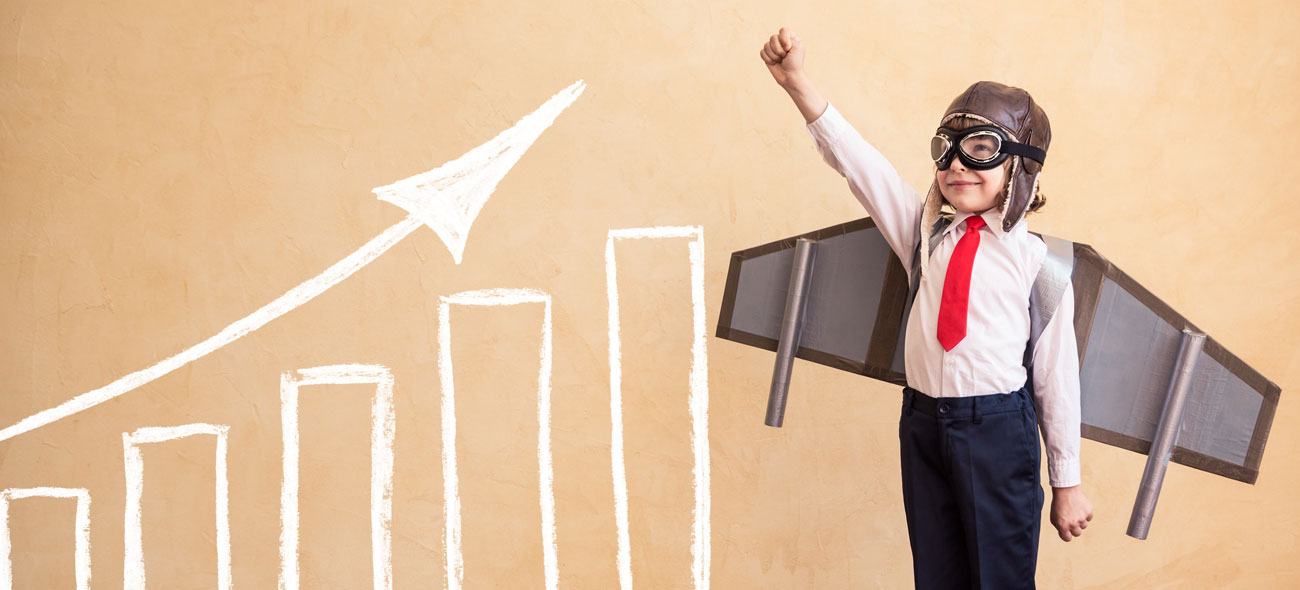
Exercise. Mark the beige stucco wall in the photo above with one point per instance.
(167, 168)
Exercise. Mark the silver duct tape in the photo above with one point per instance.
(1049, 286)
(805, 254)
(1162, 446)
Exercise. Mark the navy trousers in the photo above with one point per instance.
(971, 489)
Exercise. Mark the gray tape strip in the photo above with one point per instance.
(796, 303)
(1049, 286)
(1162, 446)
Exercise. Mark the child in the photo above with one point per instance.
(968, 444)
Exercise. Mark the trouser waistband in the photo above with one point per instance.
(964, 407)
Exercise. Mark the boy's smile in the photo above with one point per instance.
(971, 191)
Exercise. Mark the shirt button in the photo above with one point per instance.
(943, 409)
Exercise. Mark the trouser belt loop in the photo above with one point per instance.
(975, 411)
(907, 401)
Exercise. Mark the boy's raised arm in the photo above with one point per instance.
(891, 202)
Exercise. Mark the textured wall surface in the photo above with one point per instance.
(168, 168)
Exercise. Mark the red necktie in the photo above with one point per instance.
(956, 285)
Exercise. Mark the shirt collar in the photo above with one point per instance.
(992, 220)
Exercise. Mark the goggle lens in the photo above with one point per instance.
(939, 146)
(981, 146)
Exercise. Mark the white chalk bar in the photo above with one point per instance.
(37, 566)
(190, 516)
(383, 425)
(499, 498)
(659, 401)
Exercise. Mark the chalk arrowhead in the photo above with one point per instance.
(449, 197)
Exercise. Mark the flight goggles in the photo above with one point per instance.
(980, 148)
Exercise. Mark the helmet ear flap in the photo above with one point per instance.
(1031, 166)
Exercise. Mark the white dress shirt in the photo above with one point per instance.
(989, 359)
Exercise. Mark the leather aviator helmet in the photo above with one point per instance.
(1014, 112)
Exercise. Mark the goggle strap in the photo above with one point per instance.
(1022, 149)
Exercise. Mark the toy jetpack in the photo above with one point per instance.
(1151, 381)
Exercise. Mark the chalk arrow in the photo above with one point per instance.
(447, 199)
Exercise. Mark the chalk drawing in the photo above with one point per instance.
(446, 199)
(449, 197)
(382, 432)
(82, 552)
(451, 485)
(699, 401)
(133, 577)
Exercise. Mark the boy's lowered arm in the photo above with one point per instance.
(1056, 387)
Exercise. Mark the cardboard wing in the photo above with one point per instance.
(852, 302)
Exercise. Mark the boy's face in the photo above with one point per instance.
(971, 191)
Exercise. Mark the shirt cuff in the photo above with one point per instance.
(1064, 473)
(827, 126)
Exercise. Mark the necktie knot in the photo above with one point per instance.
(975, 222)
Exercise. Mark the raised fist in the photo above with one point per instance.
(783, 54)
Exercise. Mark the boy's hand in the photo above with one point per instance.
(1071, 512)
(783, 54)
